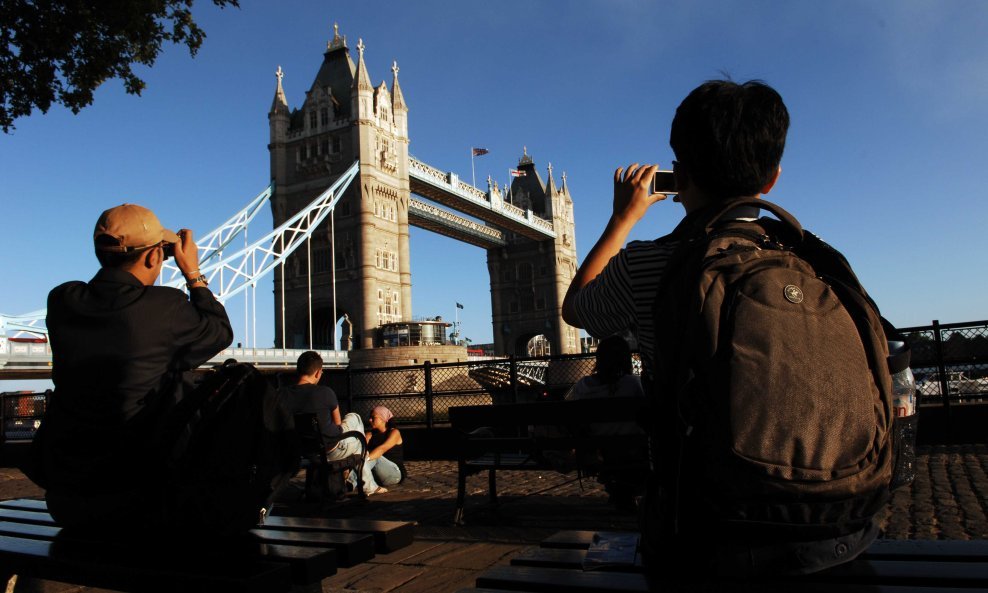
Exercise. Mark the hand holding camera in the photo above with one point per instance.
(633, 191)
(187, 253)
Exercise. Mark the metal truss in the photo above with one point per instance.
(259, 258)
(30, 323)
(211, 245)
(234, 273)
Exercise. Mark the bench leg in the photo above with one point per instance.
(461, 493)
(492, 485)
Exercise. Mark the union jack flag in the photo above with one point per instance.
(479, 151)
(517, 173)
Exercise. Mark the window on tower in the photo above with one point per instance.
(312, 120)
(324, 116)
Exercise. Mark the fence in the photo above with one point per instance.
(950, 358)
(421, 395)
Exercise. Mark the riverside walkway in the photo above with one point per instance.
(948, 500)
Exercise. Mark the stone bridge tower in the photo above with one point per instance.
(365, 245)
(529, 278)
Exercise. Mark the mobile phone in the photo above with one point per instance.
(664, 182)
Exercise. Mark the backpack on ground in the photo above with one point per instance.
(771, 391)
(230, 445)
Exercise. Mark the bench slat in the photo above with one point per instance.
(351, 548)
(302, 560)
(552, 580)
(137, 572)
(388, 535)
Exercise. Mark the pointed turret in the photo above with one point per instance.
(550, 186)
(362, 92)
(279, 119)
(361, 81)
(280, 103)
(564, 189)
(397, 98)
(398, 105)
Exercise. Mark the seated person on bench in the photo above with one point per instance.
(612, 377)
(307, 396)
(384, 465)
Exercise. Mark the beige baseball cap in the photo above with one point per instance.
(132, 227)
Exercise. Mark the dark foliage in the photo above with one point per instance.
(60, 51)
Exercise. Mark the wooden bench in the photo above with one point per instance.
(517, 437)
(285, 554)
(888, 566)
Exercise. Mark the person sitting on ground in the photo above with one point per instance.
(385, 463)
(307, 396)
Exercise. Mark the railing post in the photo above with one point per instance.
(428, 394)
(349, 389)
(941, 368)
(513, 378)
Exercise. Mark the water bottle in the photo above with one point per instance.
(904, 406)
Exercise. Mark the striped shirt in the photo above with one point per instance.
(621, 298)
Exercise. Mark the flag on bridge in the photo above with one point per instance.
(516, 173)
(459, 306)
(479, 151)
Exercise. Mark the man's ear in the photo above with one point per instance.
(318, 374)
(153, 258)
(768, 186)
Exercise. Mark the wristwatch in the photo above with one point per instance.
(197, 279)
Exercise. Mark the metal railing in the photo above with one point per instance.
(20, 414)
(949, 359)
(421, 395)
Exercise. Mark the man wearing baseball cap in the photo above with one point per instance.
(118, 345)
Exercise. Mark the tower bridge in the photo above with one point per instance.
(343, 185)
(360, 256)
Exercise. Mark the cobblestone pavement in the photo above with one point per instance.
(948, 500)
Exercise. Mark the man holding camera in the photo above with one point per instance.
(723, 385)
(118, 345)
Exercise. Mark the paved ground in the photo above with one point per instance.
(948, 500)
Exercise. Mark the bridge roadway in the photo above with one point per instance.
(32, 360)
(447, 189)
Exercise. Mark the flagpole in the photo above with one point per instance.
(473, 173)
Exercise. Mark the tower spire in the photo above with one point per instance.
(280, 103)
(397, 99)
(338, 41)
(362, 80)
(550, 186)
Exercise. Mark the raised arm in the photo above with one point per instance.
(632, 198)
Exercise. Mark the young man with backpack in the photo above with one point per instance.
(766, 361)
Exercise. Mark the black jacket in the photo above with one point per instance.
(117, 347)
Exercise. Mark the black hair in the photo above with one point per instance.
(729, 137)
(613, 359)
(308, 363)
(115, 259)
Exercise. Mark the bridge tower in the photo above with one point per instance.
(529, 278)
(365, 244)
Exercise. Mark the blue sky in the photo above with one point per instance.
(885, 157)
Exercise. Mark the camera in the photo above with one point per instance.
(664, 182)
(169, 249)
